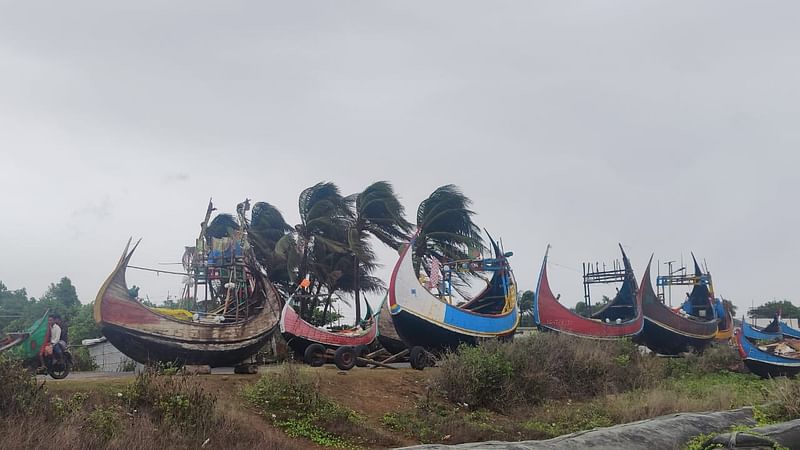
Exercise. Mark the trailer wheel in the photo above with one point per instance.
(361, 351)
(345, 357)
(418, 358)
(314, 355)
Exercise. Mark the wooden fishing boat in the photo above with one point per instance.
(771, 332)
(621, 317)
(310, 342)
(387, 335)
(789, 331)
(670, 332)
(25, 345)
(149, 335)
(763, 363)
(725, 326)
(431, 323)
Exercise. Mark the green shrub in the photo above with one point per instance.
(104, 423)
(81, 360)
(291, 400)
(19, 392)
(544, 366)
(172, 399)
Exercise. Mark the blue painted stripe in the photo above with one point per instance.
(482, 324)
(757, 354)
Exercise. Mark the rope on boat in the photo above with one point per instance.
(160, 271)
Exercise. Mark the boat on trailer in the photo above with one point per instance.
(621, 317)
(25, 345)
(247, 313)
(429, 323)
(316, 345)
(671, 332)
(765, 360)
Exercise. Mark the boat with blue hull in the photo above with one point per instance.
(764, 363)
(431, 322)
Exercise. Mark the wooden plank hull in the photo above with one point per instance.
(421, 318)
(548, 313)
(299, 334)
(148, 336)
(668, 333)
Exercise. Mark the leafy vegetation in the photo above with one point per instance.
(769, 309)
(291, 400)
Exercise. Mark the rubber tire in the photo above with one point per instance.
(361, 351)
(314, 355)
(60, 374)
(345, 357)
(418, 358)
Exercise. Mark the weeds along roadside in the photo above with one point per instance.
(153, 411)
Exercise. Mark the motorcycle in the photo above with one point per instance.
(58, 369)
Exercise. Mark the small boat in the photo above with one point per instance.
(764, 363)
(621, 317)
(25, 345)
(671, 332)
(310, 342)
(433, 324)
(771, 332)
(151, 334)
(789, 331)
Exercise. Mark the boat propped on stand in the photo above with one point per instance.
(620, 317)
(315, 345)
(246, 307)
(673, 331)
(431, 322)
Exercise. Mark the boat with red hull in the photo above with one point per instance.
(621, 317)
(304, 338)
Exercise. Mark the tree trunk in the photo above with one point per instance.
(357, 290)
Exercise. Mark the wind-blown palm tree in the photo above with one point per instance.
(446, 230)
(273, 244)
(379, 213)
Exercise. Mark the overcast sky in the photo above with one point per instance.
(669, 127)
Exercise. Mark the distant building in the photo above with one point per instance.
(106, 357)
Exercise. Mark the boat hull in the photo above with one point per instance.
(299, 334)
(387, 334)
(145, 348)
(422, 319)
(548, 313)
(147, 336)
(789, 331)
(764, 364)
(668, 333)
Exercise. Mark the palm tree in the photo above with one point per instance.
(446, 230)
(274, 244)
(379, 213)
(325, 217)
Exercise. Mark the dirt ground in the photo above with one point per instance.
(370, 392)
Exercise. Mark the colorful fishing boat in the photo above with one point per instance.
(764, 363)
(244, 319)
(387, 335)
(771, 332)
(621, 317)
(25, 345)
(430, 323)
(671, 332)
(312, 343)
(789, 331)
(725, 327)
